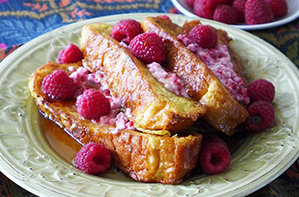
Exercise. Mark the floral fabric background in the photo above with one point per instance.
(23, 20)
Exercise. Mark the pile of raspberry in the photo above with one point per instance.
(250, 12)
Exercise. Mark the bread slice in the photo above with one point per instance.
(224, 113)
(154, 107)
(144, 157)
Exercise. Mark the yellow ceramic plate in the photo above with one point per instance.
(28, 160)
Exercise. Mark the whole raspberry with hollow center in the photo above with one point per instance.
(261, 89)
(214, 156)
(261, 116)
(204, 35)
(125, 30)
(70, 54)
(278, 7)
(257, 12)
(92, 104)
(226, 14)
(59, 86)
(93, 159)
(148, 47)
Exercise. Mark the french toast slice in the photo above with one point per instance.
(224, 112)
(154, 108)
(144, 157)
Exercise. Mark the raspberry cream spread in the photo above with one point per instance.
(168, 79)
(219, 61)
(118, 116)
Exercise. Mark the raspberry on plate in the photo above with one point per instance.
(240, 6)
(59, 86)
(227, 2)
(204, 35)
(278, 7)
(92, 104)
(261, 116)
(261, 89)
(214, 156)
(93, 159)
(204, 8)
(226, 14)
(70, 54)
(148, 47)
(257, 12)
(125, 30)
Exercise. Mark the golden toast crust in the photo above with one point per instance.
(144, 157)
(153, 107)
(223, 112)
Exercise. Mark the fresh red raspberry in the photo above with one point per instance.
(226, 14)
(204, 35)
(257, 12)
(278, 7)
(70, 54)
(204, 8)
(190, 3)
(261, 116)
(59, 86)
(148, 47)
(165, 17)
(93, 159)
(240, 6)
(125, 30)
(261, 89)
(214, 155)
(92, 104)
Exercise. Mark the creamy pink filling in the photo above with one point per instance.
(219, 61)
(117, 117)
(168, 79)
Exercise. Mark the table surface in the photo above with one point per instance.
(23, 20)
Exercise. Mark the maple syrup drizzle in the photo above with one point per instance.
(63, 144)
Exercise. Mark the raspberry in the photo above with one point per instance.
(148, 47)
(226, 14)
(204, 8)
(92, 104)
(190, 3)
(261, 116)
(261, 89)
(165, 17)
(93, 159)
(240, 6)
(214, 155)
(257, 12)
(125, 30)
(70, 54)
(278, 7)
(204, 35)
(59, 86)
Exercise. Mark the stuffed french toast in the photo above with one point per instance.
(144, 157)
(154, 108)
(224, 110)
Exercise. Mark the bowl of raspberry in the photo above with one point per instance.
(243, 14)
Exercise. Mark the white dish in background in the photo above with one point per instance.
(293, 13)
(28, 160)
